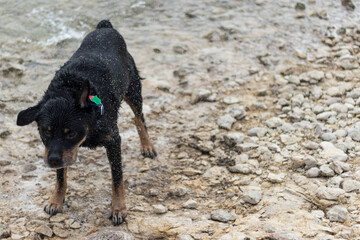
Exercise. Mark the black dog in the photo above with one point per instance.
(80, 108)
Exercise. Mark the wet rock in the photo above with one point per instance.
(313, 172)
(226, 121)
(252, 194)
(190, 204)
(160, 209)
(222, 216)
(337, 214)
(44, 230)
(110, 233)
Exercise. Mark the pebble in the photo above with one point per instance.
(190, 204)
(200, 95)
(257, 132)
(242, 168)
(334, 182)
(329, 193)
(325, 115)
(274, 122)
(44, 230)
(60, 232)
(226, 121)
(159, 209)
(276, 178)
(313, 172)
(245, 147)
(326, 171)
(252, 194)
(328, 137)
(222, 215)
(75, 225)
(60, 217)
(337, 214)
(236, 111)
(289, 139)
(316, 75)
(350, 185)
(311, 145)
(234, 138)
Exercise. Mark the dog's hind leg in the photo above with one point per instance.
(56, 201)
(118, 206)
(134, 99)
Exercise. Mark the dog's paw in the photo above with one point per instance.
(148, 152)
(118, 216)
(53, 208)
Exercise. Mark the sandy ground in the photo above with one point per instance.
(214, 70)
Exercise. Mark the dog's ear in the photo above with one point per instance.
(27, 116)
(83, 97)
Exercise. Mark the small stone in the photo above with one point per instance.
(75, 225)
(226, 121)
(231, 100)
(300, 6)
(159, 209)
(311, 145)
(60, 217)
(44, 230)
(328, 137)
(316, 75)
(234, 138)
(236, 111)
(28, 168)
(60, 232)
(337, 214)
(180, 49)
(184, 237)
(276, 178)
(257, 132)
(190, 204)
(334, 182)
(313, 172)
(289, 139)
(274, 122)
(329, 193)
(350, 185)
(222, 215)
(326, 171)
(245, 147)
(325, 115)
(200, 95)
(242, 168)
(252, 194)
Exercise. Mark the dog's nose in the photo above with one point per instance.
(54, 161)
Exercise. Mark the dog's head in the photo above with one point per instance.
(63, 125)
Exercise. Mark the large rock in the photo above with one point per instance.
(110, 233)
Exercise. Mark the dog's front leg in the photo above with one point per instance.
(56, 201)
(118, 206)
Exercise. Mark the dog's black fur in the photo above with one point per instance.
(66, 120)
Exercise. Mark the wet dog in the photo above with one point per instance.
(80, 108)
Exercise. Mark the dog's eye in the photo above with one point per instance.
(47, 131)
(71, 134)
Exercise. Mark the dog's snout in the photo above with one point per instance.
(54, 160)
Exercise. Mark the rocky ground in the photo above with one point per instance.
(252, 105)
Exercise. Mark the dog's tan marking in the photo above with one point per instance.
(147, 147)
(49, 128)
(66, 130)
(69, 156)
(56, 201)
(118, 203)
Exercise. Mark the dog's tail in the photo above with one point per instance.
(104, 24)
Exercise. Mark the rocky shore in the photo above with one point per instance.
(253, 107)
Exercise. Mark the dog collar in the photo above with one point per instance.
(95, 101)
